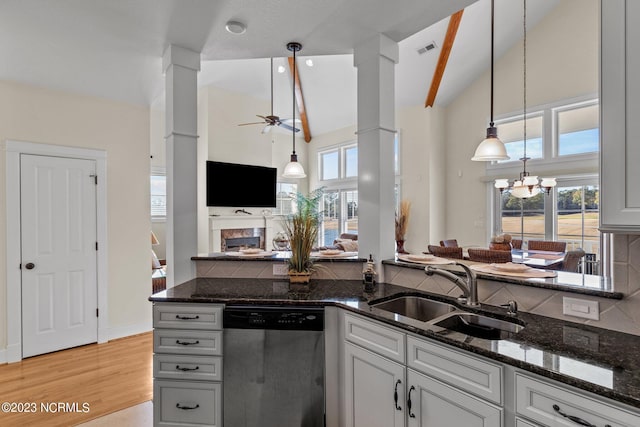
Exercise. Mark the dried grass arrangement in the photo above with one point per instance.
(402, 219)
(302, 230)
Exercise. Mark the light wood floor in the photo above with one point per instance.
(108, 377)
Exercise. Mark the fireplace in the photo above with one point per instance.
(223, 227)
(234, 239)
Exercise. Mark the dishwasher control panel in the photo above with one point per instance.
(289, 318)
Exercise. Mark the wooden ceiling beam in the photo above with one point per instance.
(300, 102)
(449, 38)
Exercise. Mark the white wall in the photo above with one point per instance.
(44, 116)
(562, 63)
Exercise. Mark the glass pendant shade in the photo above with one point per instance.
(490, 149)
(294, 169)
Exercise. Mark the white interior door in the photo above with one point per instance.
(58, 260)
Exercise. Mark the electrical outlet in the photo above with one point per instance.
(581, 308)
(280, 269)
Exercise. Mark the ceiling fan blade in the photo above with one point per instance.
(290, 121)
(286, 126)
(254, 123)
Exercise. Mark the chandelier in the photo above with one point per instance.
(527, 185)
(294, 169)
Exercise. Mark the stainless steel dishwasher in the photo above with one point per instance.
(273, 366)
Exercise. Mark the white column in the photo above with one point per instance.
(375, 60)
(181, 68)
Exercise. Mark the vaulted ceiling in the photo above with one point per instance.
(113, 48)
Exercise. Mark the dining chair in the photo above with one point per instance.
(451, 243)
(571, 261)
(489, 255)
(445, 252)
(546, 245)
(516, 243)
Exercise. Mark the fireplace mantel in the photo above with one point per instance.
(226, 222)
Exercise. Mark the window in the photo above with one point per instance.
(511, 132)
(285, 198)
(158, 196)
(578, 130)
(560, 137)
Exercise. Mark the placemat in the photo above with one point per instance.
(340, 255)
(529, 274)
(545, 256)
(433, 261)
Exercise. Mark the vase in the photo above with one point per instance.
(400, 247)
(500, 246)
(299, 277)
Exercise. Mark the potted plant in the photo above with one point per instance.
(302, 232)
(402, 222)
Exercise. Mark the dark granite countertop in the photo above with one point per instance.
(585, 284)
(600, 361)
(278, 256)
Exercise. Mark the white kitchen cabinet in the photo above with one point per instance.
(619, 110)
(380, 390)
(436, 404)
(370, 383)
(552, 404)
(187, 364)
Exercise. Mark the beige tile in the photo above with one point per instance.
(620, 247)
(620, 277)
(614, 318)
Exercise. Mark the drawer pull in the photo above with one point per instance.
(395, 395)
(187, 369)
(187, 342)
(412, 415)
(573, 418)
(186, 408)
(186, 317)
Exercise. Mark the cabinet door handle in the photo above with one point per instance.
(187, 342)
(395, 395)
(186, 408)
(186, 317)
(573, 418)
(412, 415)
(187, 369)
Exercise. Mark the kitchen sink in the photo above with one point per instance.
(415, 307)
(479, 326)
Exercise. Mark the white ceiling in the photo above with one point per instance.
(113, 48)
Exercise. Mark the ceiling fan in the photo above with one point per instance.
(271, 121)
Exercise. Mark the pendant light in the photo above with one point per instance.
(491, 148)
(293, 169)
(527, 186)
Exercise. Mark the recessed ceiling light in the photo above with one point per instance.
(235, 27)
(309, 62)
(281, 69)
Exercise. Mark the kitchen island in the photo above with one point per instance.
(595, 360)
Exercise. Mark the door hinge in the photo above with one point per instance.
(96, 246)
(95, 178)
(97, 311)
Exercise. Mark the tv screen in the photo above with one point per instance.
(236, 185)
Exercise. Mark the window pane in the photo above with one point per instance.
(285, 198)
(331, 218)
(578, 130)
(158, 196)
(330, 165)
(352, 212)
(512, 134)
(351, 165)
(523, 216)
(577, 222)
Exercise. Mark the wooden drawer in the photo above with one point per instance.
(176, 341)
(187, 316)
(471, 374)
(535, 399)
(185, 403)
(182, 367)
(379, 339)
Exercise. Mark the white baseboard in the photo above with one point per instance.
(3, 357)
(125, 331)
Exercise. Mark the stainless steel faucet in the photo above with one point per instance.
(469, 287)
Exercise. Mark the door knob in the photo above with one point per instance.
(29, 266)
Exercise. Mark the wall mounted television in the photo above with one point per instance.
(238, 185)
